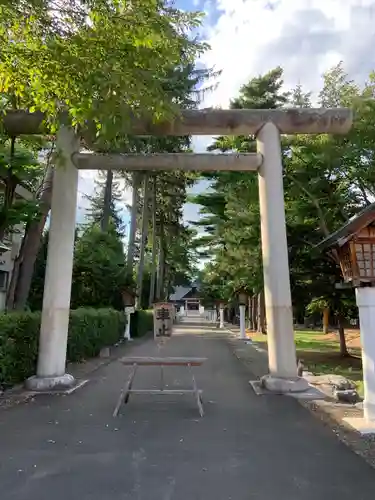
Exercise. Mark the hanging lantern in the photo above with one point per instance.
(221, 303)
(354, 244)
(242, 296)
(128, 297)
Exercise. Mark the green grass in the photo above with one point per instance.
(322, 355)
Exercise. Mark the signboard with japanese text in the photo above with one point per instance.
(163, 319)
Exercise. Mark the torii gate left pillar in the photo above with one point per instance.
(50, 374)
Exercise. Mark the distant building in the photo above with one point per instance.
(187, 297)
(9, 249)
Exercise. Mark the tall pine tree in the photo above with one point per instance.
(104, 205)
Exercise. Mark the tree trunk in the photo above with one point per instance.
(162, 272)
(261, 313)
(166, 280)
(157, 291)
(250, 313)
(19, 288)
(145, 212)
(343, 349)
(326, 320)
(104, 223)
(11, 293)
(8, 198)
(10, 182)
(133, 225)
(154, 247)
(161, 261)
(254, 313)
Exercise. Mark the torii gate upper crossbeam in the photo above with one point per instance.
(213, 122)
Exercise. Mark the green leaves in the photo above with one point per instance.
(327, 179)
(89, 331)
(99, 274)
(20, 161)
(99, 60)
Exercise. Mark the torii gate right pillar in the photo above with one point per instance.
(280, 333)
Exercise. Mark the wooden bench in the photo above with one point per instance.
(151, 361)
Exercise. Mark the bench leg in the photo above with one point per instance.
(196, 392)
(130, 385)
(124, 395)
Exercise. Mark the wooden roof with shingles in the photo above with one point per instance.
(350, 229)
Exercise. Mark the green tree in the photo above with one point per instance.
(231, 210)
(99, 61)
(299, 98)
(327, 179)
(18, 166)
(99, 273)
(70, 57)
(97, 211)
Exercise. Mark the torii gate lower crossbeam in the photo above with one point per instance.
(281, 347)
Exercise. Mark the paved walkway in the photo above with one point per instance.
(266, 448)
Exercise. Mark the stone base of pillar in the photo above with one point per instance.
(361, 425)
(47, 384)
(284, 385)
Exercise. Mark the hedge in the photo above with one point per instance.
(89, 331)
(141, 322)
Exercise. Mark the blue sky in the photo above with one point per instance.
(250, 37)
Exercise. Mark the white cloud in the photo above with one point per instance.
(305, 37)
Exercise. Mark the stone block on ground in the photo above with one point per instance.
(284, 385)
(105, 352)
(337, 382)
(347, 396)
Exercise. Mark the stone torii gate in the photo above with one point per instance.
(266, 125)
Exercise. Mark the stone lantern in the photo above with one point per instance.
(354, 246)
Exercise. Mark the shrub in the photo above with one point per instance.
(142, 322)
(18, 346)
(92, 329)
(89, 331)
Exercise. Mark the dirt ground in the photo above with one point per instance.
(353, 338)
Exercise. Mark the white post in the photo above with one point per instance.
(281, 347)
(221, 317)
(127, 333)
(58, 280)
(366, 306)
(242, 322)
